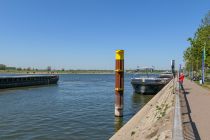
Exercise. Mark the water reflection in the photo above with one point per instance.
(140, 99)
(118, 123)
(137, 102)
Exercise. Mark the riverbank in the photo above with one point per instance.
(71, 72)
(57, 72)
(154, 120)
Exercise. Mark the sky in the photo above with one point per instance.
(84, 34)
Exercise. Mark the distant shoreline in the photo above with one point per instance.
(71, 72)
(58, 72)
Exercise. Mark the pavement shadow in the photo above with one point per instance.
(186, 93)
(190, 130)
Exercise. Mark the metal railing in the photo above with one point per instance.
(177, 128)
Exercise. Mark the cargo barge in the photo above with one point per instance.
(151, 85)
(27, 80)
(147, 85)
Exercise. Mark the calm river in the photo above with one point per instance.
(80, 107)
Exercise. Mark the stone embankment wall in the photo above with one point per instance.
(154, 121)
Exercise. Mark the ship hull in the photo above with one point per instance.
(27, 80)
(147, 89)
(147, 86)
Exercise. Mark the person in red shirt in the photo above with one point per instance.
(181, 80)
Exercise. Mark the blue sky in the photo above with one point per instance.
(84, 34)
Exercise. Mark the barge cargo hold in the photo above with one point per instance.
(148, 85)
(27, 80)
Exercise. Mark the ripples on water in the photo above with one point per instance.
(80, 107)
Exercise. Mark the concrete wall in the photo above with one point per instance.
(154, 120)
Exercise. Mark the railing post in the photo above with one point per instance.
(119, 83)
(174, 73)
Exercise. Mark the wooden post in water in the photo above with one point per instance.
(119, 83)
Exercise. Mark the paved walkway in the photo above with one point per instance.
(196, 111)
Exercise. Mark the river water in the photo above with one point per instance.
(80, 107)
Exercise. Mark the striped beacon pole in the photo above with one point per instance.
(119, 83)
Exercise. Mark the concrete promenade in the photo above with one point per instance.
(195, 104)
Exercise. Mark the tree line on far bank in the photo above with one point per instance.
(200, 40)
(4, 67)
(29, 70)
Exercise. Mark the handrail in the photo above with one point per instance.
(177, 128)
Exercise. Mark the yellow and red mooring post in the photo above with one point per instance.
(119, 83)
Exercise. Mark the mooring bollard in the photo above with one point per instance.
(119, 83)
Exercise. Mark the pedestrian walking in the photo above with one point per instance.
(181, 80)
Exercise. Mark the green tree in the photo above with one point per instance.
(2, 67)
(193, 54)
